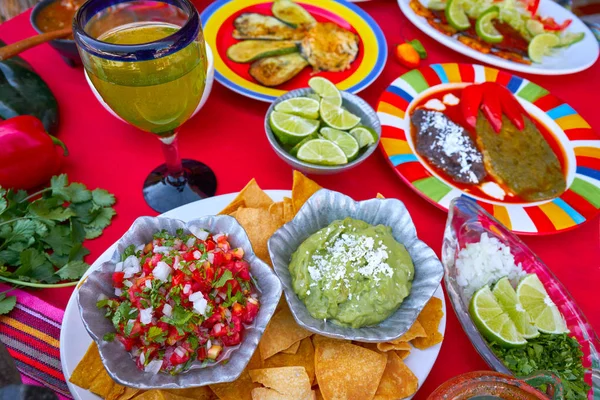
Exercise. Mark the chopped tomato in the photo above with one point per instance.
(173, 336)
(176, 359)
(213, 319)
(218, 330)
(117, 279)
(251, 310)
(237, 309)
(231, 340)
(127, 342)
(202, 353)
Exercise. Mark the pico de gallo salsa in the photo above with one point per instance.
(181, 298)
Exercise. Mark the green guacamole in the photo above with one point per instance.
(352, 273)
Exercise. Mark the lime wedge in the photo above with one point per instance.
(326, 89)
(534, 298)
(314, 96)
(294, 150)
(507, 298)
(456, 16)
(347, 143)
(569, 38)
(322, 152)
(534, 27)
(541, 45)
(364, 136)
(492, 322)
(337, 117)
(300, 106)
(438, 5)
(485, 26)
(291, 129)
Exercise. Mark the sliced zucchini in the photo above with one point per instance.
(273, 71)
(259, 26)
(292, 13)
(250, 50)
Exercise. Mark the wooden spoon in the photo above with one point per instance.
(13, 49)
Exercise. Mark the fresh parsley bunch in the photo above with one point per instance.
(42, 234)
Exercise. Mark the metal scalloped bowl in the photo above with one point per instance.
(467, 221)
(351, 102)
(119, 363)
(327, 206)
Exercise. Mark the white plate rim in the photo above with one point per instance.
(592, 49)
(420, 361)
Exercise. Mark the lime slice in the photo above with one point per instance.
(347, 143)
(569, 38)
(291, 129)
(507, 298)
(485, 26)
(534, 27)
(337, 117)
(326, 89)
(491, 321)
(300, 106)
(437, 5)
(364, 136)
(322, 152)
(294, 150)
(541, 45)
(534, 298)
(456, 16)
(314, 96)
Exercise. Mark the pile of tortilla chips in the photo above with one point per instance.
(291, 363)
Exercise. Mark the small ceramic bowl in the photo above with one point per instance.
(119, 364)
(352, 103)
(65, 47)
(467, 221)
(210, 77)
(327, 206)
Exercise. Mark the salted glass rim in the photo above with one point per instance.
(185, 35)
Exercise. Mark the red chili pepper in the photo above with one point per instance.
(511, 107)
(550, 24)
(29, 156)
(470, 102)
(491, 106)
(532, 6)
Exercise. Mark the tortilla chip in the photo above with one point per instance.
(281, 384)
(403, 354)
(318, 396)
(252, 196)
(302, 189)
(415, 331)
(260, 226)
(128, 393)
(430, 318)
(347, 371)
(293, 349)
(157, 394)
(88, 368)
(197, 393)
(276, 210)
(241, 388)
(116, 392)
(233, 206)
(304, 357)
(398, 381)
(388, 346)
(380, 196)
(288, 210)
(370, 346)
(317, 339)
(102, 385)
(281, 333)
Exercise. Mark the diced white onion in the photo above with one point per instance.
(176, 265)
(162, 271)
(211, 257)
(140, 247)
(192, 267)
(200, 306)
(127, 283)
(161, 249)
(227, 313)
(153, 367)
(167, 310)
(196, 296)
(148, 283)
(133, 263)
(197, 254)
(142, 358)
(146, 315)
(119, 267)
(208, 344)
(218, 236)
(180, 351)
(118, 292)
(223, 295)
(187, 288)
(190, 242)
(102, 296)
(200, 233)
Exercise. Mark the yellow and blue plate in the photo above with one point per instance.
(217, 20)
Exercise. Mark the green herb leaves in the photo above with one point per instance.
(227, 275)
(6, 303)
(42, 235)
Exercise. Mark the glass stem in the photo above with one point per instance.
(170, 149)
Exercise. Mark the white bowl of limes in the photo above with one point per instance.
(321, 130)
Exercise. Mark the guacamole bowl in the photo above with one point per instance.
(319, 212)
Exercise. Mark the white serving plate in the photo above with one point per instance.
(74, 339)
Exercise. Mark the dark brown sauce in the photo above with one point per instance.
(57, 15)
(455, 114)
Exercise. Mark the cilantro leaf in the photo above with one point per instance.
(78, 252)
(73, 270)
(9, 257)
(7, 303)
(30, 259)
(3, 202)
(227, 275)
(102, 218)
(58, 184)
(121, 314)
(103, 198)
(78, 193)
(109, 337)
(47, 210)
(92, 232)
(157, 335)
(57, 240)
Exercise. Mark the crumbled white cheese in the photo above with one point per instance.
(450, 99)
(435, 105)
(162, 271)
(494, 190)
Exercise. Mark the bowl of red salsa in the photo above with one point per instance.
(179, 304)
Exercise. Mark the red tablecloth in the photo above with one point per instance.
(228, 135)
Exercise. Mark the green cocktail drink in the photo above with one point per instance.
(155, 95)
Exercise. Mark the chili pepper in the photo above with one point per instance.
(29, 156)
(491, 106)
(511, 107)
(532, 6)
(407, 55)
(470, 102)
(550, 24)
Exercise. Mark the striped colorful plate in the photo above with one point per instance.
(217, 20)
(579, 203)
